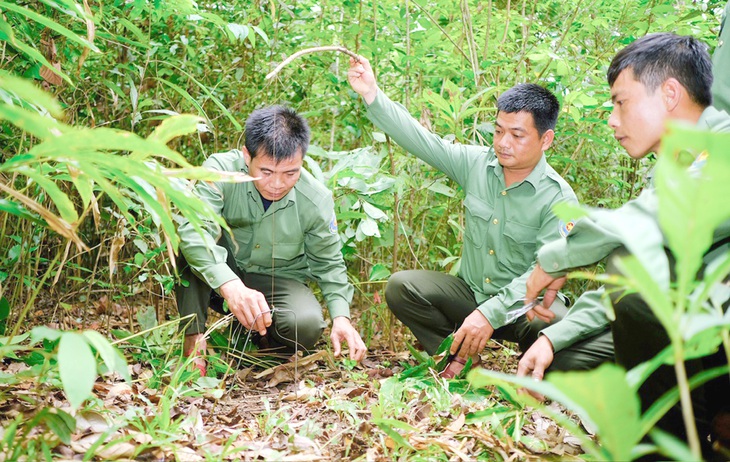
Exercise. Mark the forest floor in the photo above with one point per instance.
(390, 406)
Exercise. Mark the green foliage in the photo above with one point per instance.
(601, 397)
(103, 160)
(77, 365)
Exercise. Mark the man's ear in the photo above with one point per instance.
(547, 139)
(246, 156)
(672, 92)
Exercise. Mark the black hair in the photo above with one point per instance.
(276, 131)
(657, 57)
(533, 99)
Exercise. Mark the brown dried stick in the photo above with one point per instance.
(291, 58)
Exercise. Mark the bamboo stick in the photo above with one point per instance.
(296, 55)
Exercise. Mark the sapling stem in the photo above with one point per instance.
(686, 402)
(307, 51)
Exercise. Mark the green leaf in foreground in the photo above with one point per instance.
(77, 367)
(601, 397)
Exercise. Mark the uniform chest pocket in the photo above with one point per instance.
(240, 243)
(288, 250)
(478, 214)
(520, 245)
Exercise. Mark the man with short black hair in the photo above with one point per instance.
(283, 234)
(510, 190)
(656, 79)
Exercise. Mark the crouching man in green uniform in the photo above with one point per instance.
(656, 79)
(510, 190)
(284, 234)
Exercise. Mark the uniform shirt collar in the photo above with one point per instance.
(533, 179)
(710, 117)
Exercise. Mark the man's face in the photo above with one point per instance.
(516, 141)
(275, 179)
(638, 117)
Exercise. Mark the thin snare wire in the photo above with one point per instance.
(238, 331)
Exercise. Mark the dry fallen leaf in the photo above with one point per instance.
(91, 421)
(107, 451)
(119, 389)
(286, 372)
(456, 425)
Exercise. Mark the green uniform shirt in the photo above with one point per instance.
(721, 66)
(594, 238)
(504, 226)
(296, 238)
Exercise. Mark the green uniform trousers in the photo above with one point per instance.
(297, 315)
(639, 336)
(433, 305)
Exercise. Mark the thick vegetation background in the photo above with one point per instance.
(131, 64)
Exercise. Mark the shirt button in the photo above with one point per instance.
(555, 266)
(258, 246)
(504, 193)
(495, 221)
(491, 251)
(720, 43)
(487, 280)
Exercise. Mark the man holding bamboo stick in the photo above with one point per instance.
(510, 190)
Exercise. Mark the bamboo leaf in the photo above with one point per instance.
(103, 139)
(18, 210)
(212, 97)
(60, 426)
(29, 93)
(84, 185)
(48, 23)
(182, 92)
(175, 126)
(136, 31)
(32, 122)
(60, 199)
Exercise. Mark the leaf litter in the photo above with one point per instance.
(312, 407)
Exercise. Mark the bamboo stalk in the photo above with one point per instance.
(299, 53)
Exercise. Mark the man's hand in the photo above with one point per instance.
(536, 282)
(247, 305)
(362, 79)
(342, 330)
(536, 359)
(472, 336)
